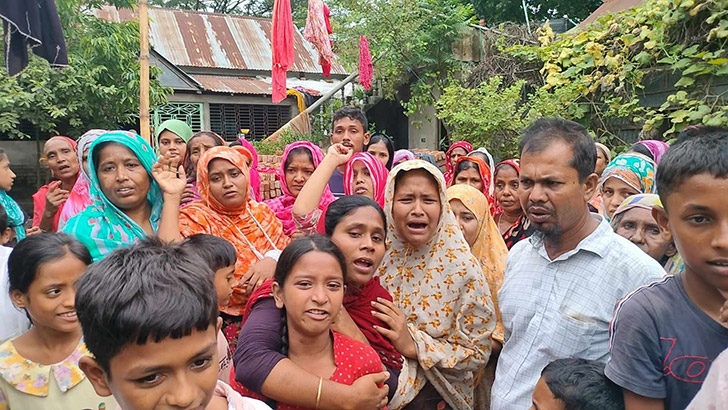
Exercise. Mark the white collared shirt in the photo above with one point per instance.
(561, 308)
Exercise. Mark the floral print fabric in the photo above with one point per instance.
(442, 291)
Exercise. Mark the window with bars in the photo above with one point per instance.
(191, 113)
(262, 120)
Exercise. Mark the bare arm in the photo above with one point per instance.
(634, 401)
(310, 196)
(172, 181)
(288, 383)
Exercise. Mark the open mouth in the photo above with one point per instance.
(317, 314)
(721, 263)
(347, 144)
(417, 227)
(363, 264)
(538, 214)
(63, 168)
(68, 315)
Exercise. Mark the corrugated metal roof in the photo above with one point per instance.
(257, 85)
(610, 6)
(209, 40)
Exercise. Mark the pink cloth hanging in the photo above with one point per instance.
(366, 67)
(326, 65)
(317, 33)
(282, 45)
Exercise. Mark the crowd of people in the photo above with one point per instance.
(571, 277)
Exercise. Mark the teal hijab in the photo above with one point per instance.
(103, 227)
(16, 217)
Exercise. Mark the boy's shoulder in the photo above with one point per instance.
(653, 299)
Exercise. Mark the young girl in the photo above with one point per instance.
(16, 216)
(381, 148)
(309, 287)
(356, 225)
(196, 146)
(364, 175)
(39, 370)
(172, 136)
(298, 163)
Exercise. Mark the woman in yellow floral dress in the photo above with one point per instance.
(442, 317)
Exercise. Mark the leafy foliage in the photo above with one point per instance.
(412, 40)
(602, 76)
(498, 11)
(99, 89)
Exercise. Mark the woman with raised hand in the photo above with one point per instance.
(59, 153)
(134, 196)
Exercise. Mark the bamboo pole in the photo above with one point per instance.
(144, 70)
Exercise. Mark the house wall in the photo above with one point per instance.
(424, 129)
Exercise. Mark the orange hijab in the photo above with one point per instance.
(252, 228)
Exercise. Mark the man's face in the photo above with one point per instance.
(350, 133)
(550, 192)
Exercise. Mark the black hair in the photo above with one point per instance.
(96, 153)
(699, 151)
(4, 222)
(581, 385)
(352, 113)
(35, 250)
(379, 137)
(3, 154)
(465, 165)
(216, 252)
(641, 149)
(542, 132)
(480, 154)
(146, 292)
(501, 166)
(297, 151)
(288, 259)
(345, 206)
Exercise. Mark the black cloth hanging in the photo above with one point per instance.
(33, 23)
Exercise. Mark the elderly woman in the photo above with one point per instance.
(59, 153)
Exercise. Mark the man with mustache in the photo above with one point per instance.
(562, 284)
(350, 129)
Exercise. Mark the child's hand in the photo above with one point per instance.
(397, 333)
(340, 154)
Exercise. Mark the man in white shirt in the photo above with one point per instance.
(561, 285)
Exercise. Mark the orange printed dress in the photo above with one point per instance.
(252, 229)
(445, 297)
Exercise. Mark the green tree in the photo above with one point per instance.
(498, 11)
(99, 88)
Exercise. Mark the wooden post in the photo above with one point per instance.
(144, 70)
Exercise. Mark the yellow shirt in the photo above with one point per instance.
(25, 384)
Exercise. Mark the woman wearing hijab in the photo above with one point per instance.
(604, 157)
(366, 176)
(627, 174)
(653, 149)
(226, 210)
(633, 220)
(510, 218)
(253, 165)
(401, 156)
(456, 150)
(133, 196)
(298, 163)
(80, 196)
(171, 137)
(16, 216)
(59, 153)
(442, 317)
(197, 145)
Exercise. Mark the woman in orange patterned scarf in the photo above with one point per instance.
(226, 210)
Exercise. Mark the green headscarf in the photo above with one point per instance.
(180, 128)
(103, 227)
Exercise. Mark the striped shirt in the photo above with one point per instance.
(561, 308)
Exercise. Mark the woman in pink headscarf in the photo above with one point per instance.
(456, 150)
(653, 149)
(366, 176)
(254, 175)
(299, 161)
(59, 153)
(80, 198)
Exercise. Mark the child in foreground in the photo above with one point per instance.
(665, 335)
(40, 369)
(309, 287)
(576, 384)
(149, 314)
(219, 255)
